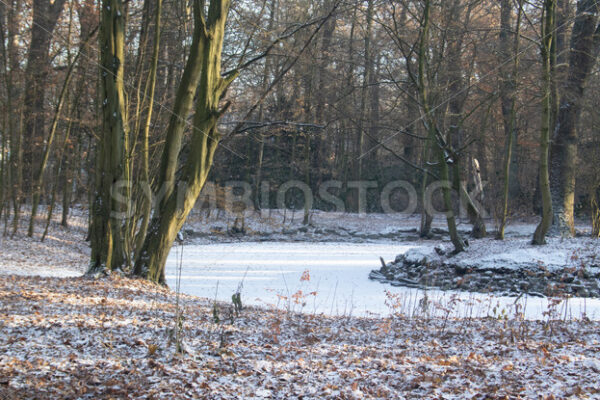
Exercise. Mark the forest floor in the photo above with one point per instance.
(77, 337)
(115, 338)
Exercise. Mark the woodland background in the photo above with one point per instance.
(327, 90)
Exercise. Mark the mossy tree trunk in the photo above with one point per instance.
(109, 212)
(202, 78)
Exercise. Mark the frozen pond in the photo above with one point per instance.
(332, 278)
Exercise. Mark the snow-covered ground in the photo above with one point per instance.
(272, 275)
(331, 226)
(114, 337)
(64, 252)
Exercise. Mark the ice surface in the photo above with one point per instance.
(271, 273)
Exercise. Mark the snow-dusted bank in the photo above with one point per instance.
(569, 267)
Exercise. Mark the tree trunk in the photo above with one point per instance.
(182, 190)
(325, 98)
(509, 47)
(39, 173)
(8, 133)
(434, 136)
(45, 17)
(108, 211)
(261, 112)
(539, 237)
(364, 94)
(57, 173)
(11, 65)
(426, 217)
(458, 93)
(146, 206)
(595, 212)
(584, 49)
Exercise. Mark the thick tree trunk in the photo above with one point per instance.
(539, 237)
(45, 17)
(584, 49)
(109, 212)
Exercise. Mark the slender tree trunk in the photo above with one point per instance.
(3, 168)
(306, 219)
(426, 217)
(458, 92)
(16, 156)
(146, 208)
(261, 111)
(11, 65)
(595, 212)
(67, 178)
(434, 136)
(57, 173)
(509, 76)
(364, 93)
(39, 173)
(324, 112)
(347, 107)
(7, 121)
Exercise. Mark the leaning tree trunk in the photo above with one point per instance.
(437, 142)
(584, 49)
(202, 74)
(39, 173)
